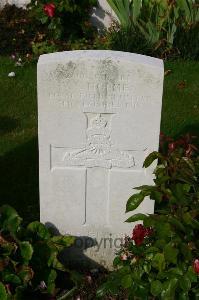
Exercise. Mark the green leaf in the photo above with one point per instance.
(12, 224)
(12, 278)
(160, 243)
(156, 287)
(186, 187)
(147, 268)
(44, 19)
(149, 222)
(134, 201)
(39, 230)
(158, 262)
(7, 211)
(55, 263)
(195, 224)
(9, 219)
(141, 292)
(25, 273)
(62, 241)
(117, 261)
(67, 294)
(192, 275)
(170, 253)
(187, 218)
(7, 248)
(163, 230)
(102, 290)
(157, 196)
(152, 250)
(126, 281)
(150, 158)
(26, 251)
(185, 283)
(175, 222)
(136, 9)
(50, 278)
(183, 296)
(176, 271)
(147, 188)
(169, 289)
(136, 217)
(185, 250)
(179, 192)
(3, 294)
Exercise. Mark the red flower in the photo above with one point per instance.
(49, 9)
(196, 265)
(139, 233)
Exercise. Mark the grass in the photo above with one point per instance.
(180, 109)
(18, 126)
(18, 142)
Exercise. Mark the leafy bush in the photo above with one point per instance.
(29, 264)
(43, 47)
(17, 30)
(67, 19)
(161, 259)
(187, 42)
(128, 39)
(44, 27)
(157, 22)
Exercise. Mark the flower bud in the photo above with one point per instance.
(196, 265)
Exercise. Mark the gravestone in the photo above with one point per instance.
(102, 16)
(18, 3)
(99, 117)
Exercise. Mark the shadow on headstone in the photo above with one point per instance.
(74, 257)
(19, 183)
(8, 124)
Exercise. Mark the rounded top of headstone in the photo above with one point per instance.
(99, 55)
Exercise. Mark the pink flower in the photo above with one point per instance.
(196, 265)
(124, 257)
(49, 9)
(172, 146)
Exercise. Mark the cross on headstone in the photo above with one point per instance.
(99, 151)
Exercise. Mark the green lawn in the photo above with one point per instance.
(18, 126)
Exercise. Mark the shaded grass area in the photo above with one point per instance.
(18, 126)
(18, 139)
(180, 109)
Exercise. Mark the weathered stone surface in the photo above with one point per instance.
(18, 3)
(99, 117)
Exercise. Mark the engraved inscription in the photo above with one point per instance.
(102, 95)
(99, 150)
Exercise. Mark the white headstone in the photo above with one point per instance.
(102, 16)
(18, 3)
(99, 117)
